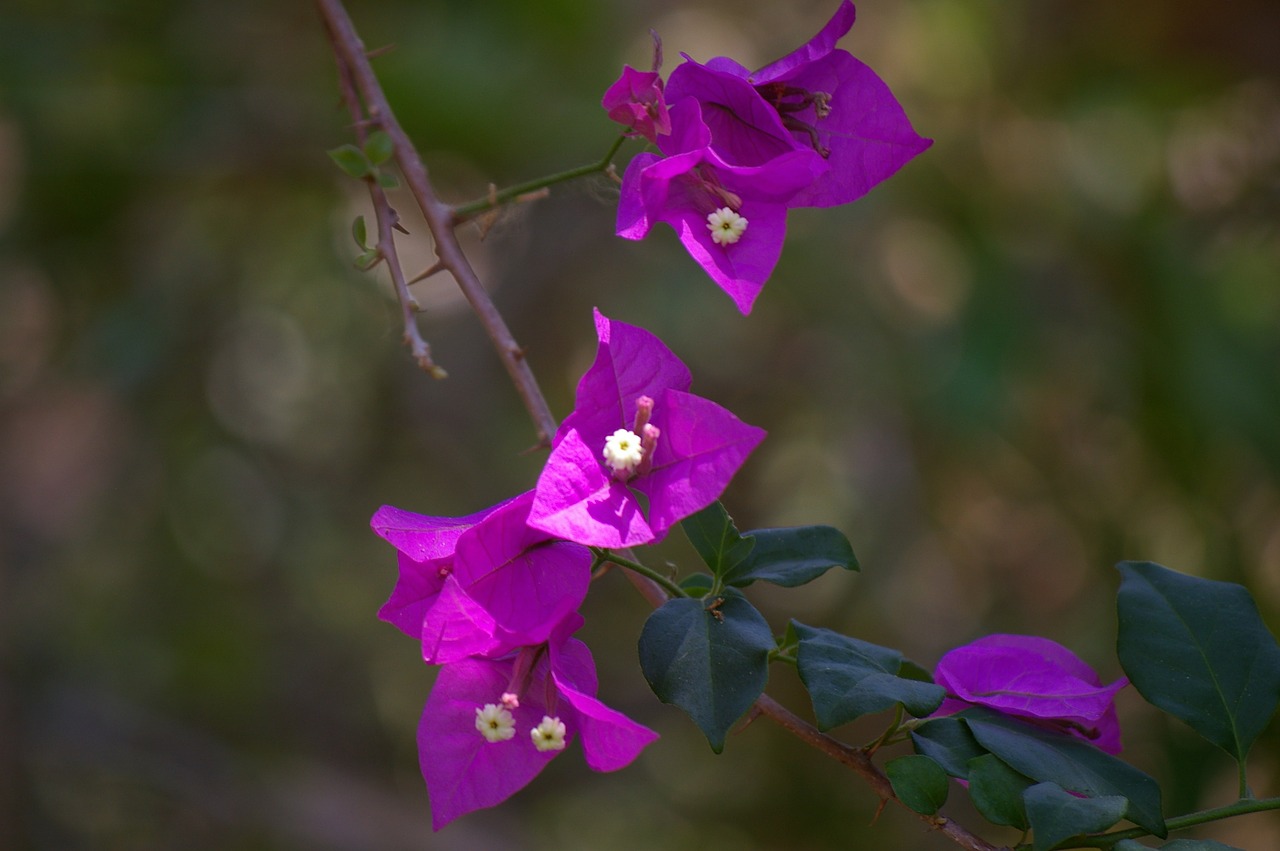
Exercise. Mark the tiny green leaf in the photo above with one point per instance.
(1198, 649)
(847, 678)
(919, 782)
(793, 556)
(1056, 814)
(378, 147)
(367, 258)
(352, 160)
(713, 535)
(1045, 755)
(996, 790)
(359, 232)
(710, 658)
(949, 743)
(387, 180)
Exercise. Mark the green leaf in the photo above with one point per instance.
(1197, 845)
(697, 584)
(713, 535)
(352, 160)
(378, 147)
(847, 678)
(949, 743)
(1048, 756)
(709, 658)
(1198, 649)
(996, 790)
(911, 671)
(387, 180)
(1056, 814)
(793, 556)
(359, 232)
(919, 782)
(367, 258)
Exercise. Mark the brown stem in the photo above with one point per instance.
(351, 55)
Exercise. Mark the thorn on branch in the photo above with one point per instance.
(611, 172)
(401, 228)
(379, 51)
(427, 273)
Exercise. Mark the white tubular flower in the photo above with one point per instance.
(623, 452)
(726, 226)
(495, 723)
(549, 735)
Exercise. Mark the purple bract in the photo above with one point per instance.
(635, 430)
(816, 128)
(480, 585)
(1035, 679)
(490, 725)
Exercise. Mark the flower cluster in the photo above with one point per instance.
(1034, 679)
(739, 148)
(493, 597)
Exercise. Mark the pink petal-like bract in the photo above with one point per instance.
(1032, 678)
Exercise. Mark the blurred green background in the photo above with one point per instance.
(1050, 343)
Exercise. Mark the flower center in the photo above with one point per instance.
(623, 451)
(726, 226)
(549, 735)
(495, 723)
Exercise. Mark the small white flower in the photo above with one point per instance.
(623, 451)
(549, 735)
(495, 723)
(726, 226)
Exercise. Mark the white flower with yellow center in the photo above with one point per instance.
(549, 735)
(495, 723)
(726, 226)
(623, 451)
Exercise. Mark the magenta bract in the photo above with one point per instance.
(635, 101)
(1035, 679)
(816, 128)
(482, 584)
(465, 772)
(697, 447)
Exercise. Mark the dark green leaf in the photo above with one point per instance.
(1056, 814)
(1198, 649)
(352, 160)
(697, 585)
(996, 790)
(713, 535)
(911, 671)
(1045, 755)
(709, 658)
(919, 782)
(949, 743)
(378, 147)
(847, 678)
(793, 556)
(359, 232)
(1197, 845)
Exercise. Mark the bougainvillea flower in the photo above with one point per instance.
(635, 101)
(818, 97)
(1035, 679)
(490, 725)
(483, 584)
(730, 217)
(636, 431)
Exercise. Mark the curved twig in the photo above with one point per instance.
(352, 59)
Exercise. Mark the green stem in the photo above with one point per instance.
(469, 210)
(1239, 808)
(672, 589)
